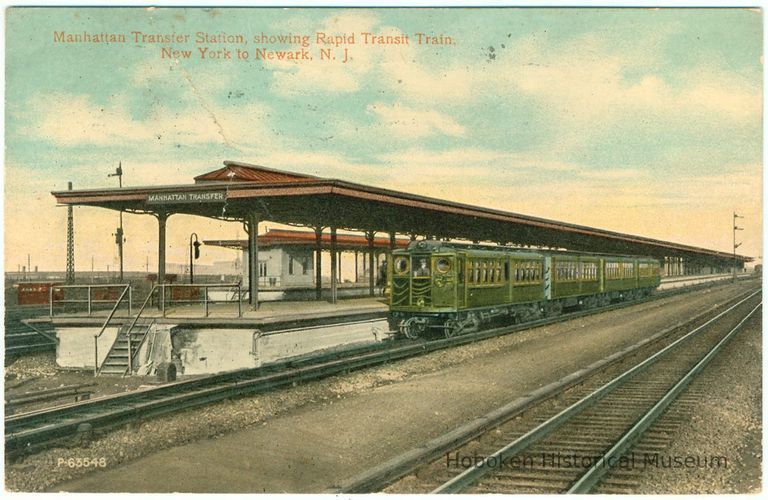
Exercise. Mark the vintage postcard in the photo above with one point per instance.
(365, 249)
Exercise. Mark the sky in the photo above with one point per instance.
(644, 121)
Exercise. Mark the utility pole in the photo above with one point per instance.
(119, 233)
(735, 245)
(70, 277)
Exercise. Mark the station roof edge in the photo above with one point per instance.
(311, 181)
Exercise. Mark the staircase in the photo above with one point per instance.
(117, 360)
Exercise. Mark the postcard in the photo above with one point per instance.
(368, 249)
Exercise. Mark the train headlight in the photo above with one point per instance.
(443, 265)
(401, 265)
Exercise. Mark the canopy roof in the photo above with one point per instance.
(239, 189)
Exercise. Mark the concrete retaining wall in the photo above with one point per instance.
(75, 349)
(212, 350)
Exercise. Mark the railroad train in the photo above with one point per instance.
(451, 289)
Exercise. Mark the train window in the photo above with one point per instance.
(421, 269)
(401, 265)
(628, 270)
(612, 270)
(528, 271)
(589, 271)
(443, 265)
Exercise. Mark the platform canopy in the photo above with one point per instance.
(238, 190)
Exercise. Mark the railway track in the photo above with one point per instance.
(21, 338)
(607, 428)
(31, 431)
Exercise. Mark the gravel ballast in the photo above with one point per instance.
(725, 423)
(325, 431)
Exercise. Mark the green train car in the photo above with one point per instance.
(439, 288)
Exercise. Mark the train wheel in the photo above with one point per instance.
(452, 328)
(413, 327)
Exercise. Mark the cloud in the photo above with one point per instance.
(290, 78)
(462, 159)
(585, 82)
(405, 122)
(71, 120)
(401, 72)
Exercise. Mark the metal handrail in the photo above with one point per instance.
(133, 324)
(205, 300)
(138, 347)
(103, 328)
(88, 300)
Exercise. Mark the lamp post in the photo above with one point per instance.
(735, 245)
(119, 239)
(194, 254)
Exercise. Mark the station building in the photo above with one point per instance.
(287, 262)
(340, 217)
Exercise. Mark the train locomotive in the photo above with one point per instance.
(439, 288)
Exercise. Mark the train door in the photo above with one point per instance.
(601, 274)
(461, 287)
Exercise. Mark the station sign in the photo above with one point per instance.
(187, 197)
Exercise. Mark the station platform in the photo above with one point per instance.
(223, 340)
(226, 314)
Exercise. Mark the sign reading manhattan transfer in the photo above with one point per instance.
(194, 197)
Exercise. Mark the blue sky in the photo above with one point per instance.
(647, 121)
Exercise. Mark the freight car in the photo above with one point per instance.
(450, 289)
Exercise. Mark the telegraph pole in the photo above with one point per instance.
(119, 233)
(70, 279)
(735, 245)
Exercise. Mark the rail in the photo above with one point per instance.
(104, 327)
(205, 300)
(53, 338)
(485, 466)
(589, 479)
(32, 430)
(89, 300)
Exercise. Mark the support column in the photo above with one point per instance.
(318, 263)
(369, 235)
(392, 241)
(357, 271)
(253, 260)
(334, 263)
(162, 218)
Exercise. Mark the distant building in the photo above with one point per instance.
(287, 257)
